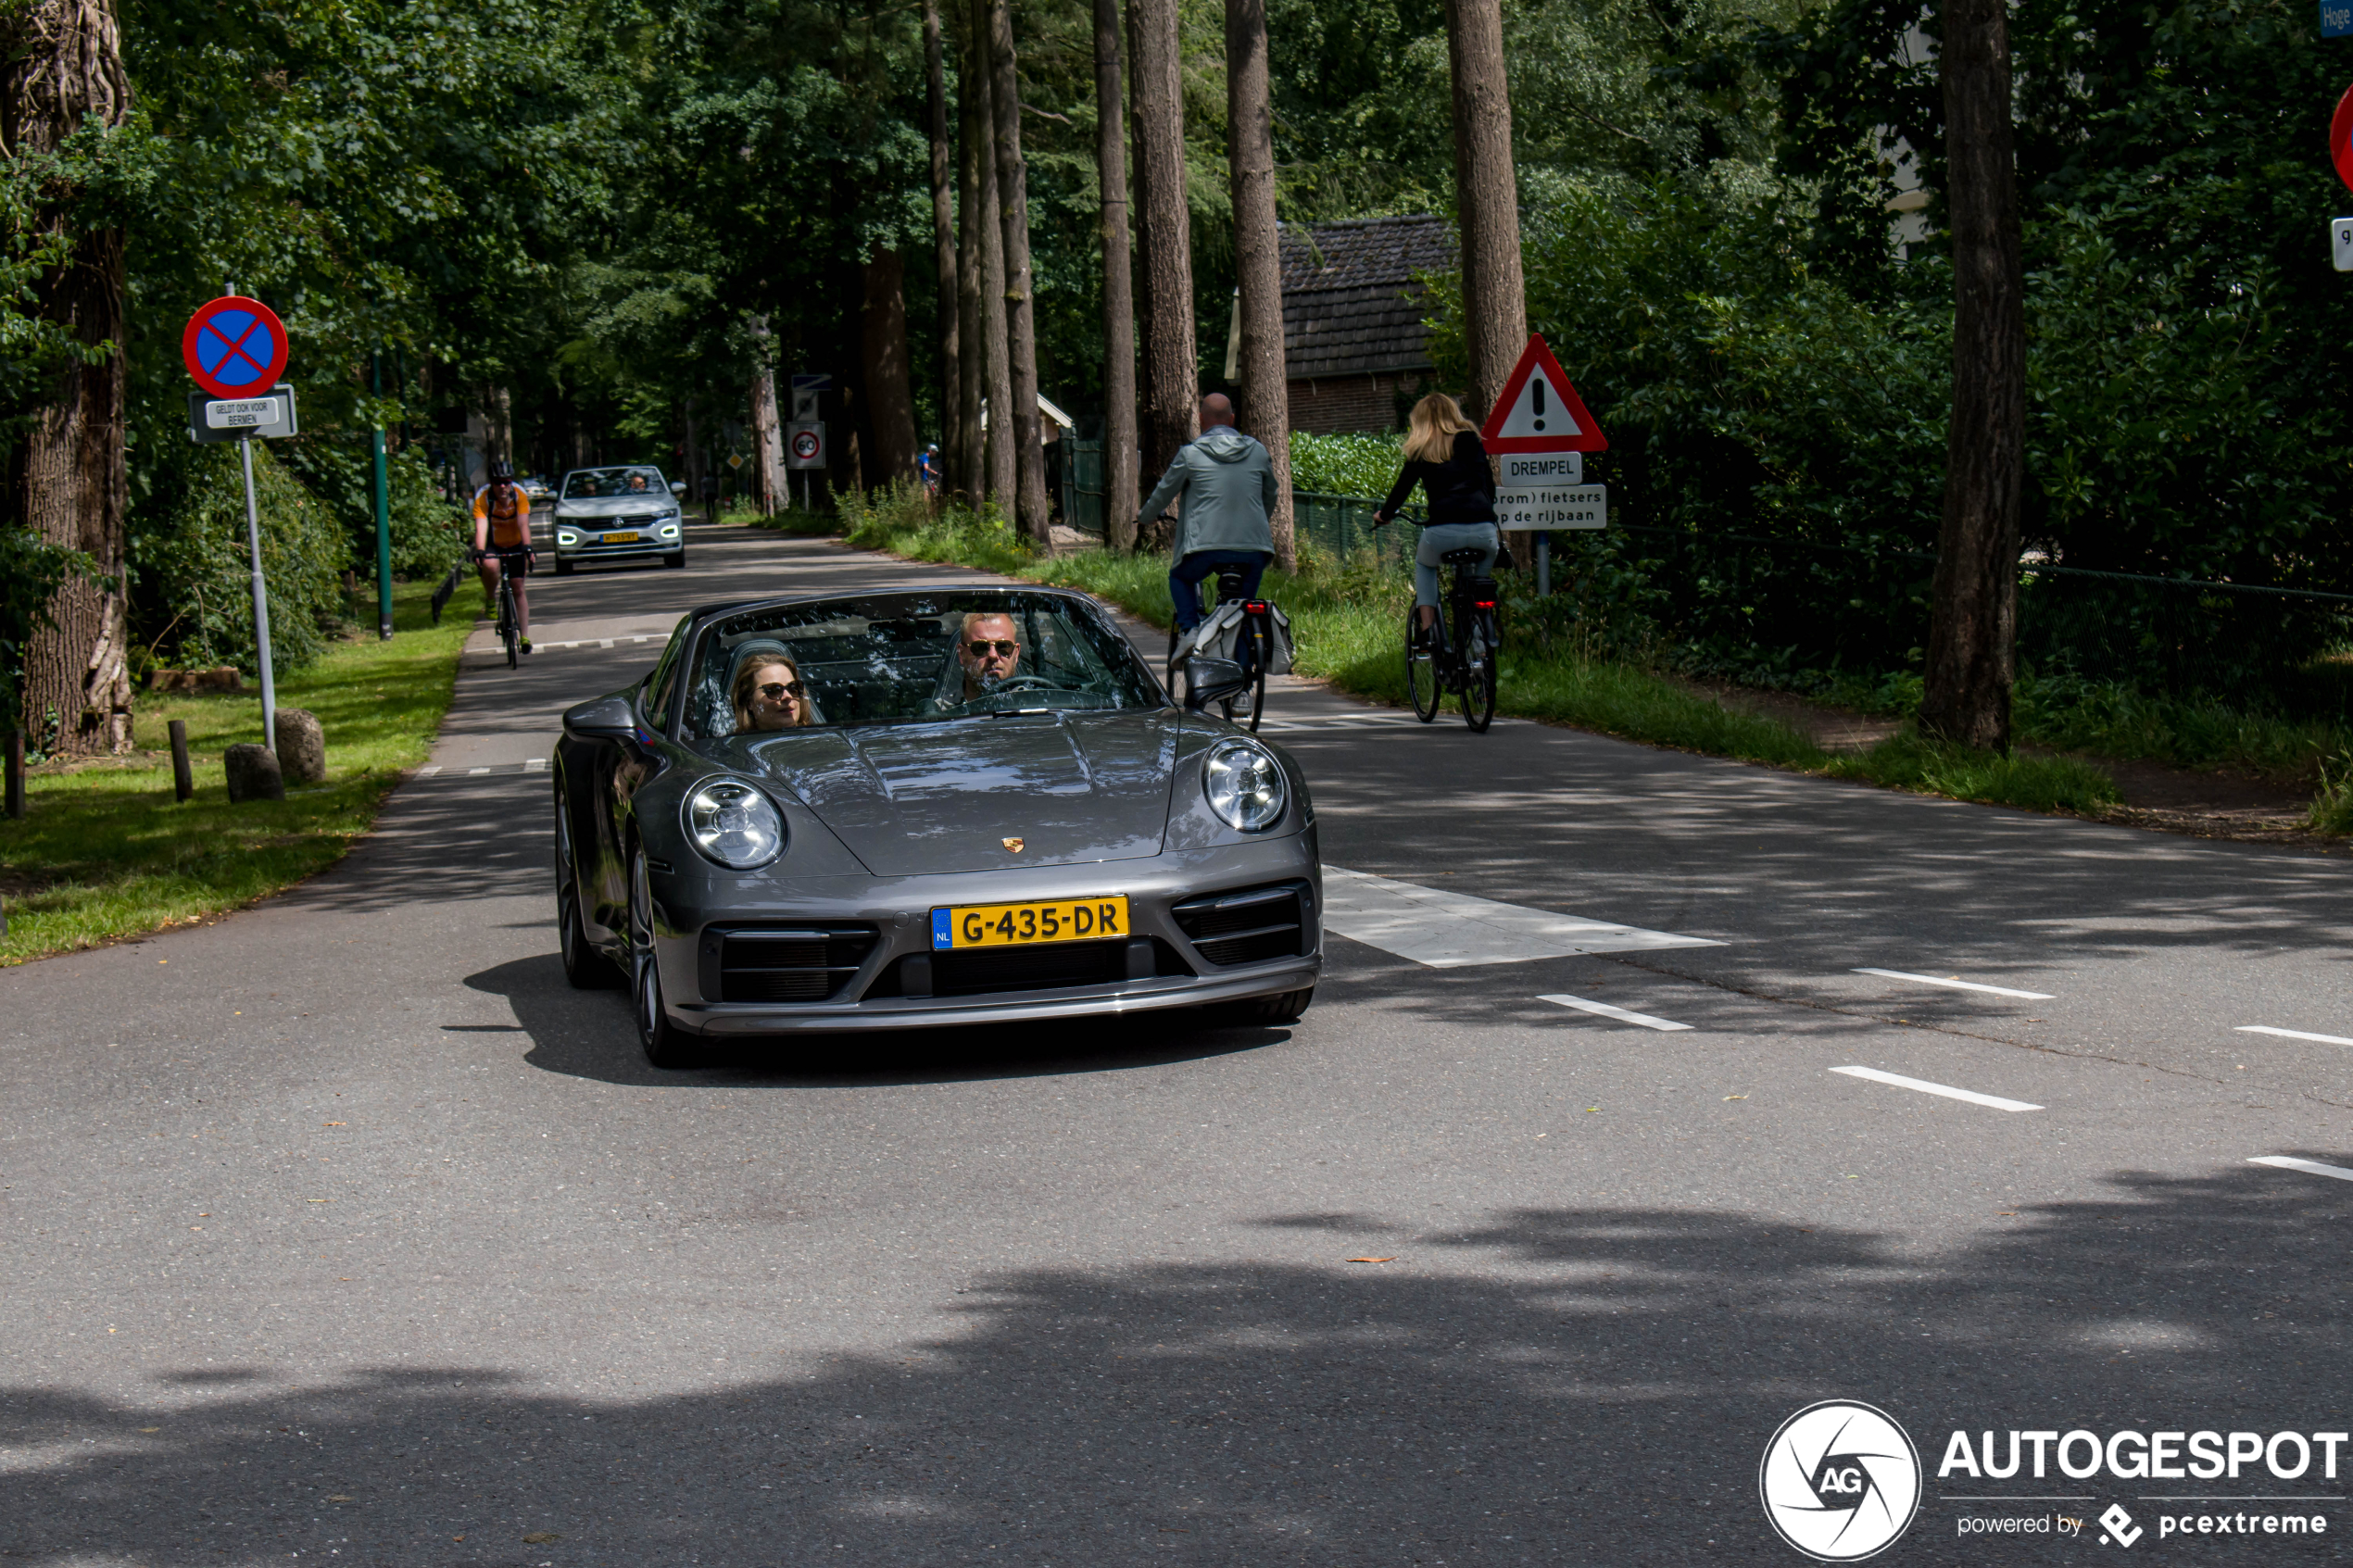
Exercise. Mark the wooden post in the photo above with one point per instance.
(183, 783)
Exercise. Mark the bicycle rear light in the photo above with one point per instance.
(1255, 607)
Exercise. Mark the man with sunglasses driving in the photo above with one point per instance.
(989, 651)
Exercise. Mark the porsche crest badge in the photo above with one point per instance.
(1012, 844)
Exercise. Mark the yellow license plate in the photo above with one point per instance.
(621, 538)
(1025, 926)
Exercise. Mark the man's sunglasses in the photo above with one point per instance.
(775, 689)
(1005, 646)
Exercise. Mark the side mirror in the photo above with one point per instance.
(607, 718)
(1211, 680)
(677, 487)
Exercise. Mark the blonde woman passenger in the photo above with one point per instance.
(1445, 457)
(769, 695)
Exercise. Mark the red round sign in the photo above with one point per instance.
(234, 348)
(805, 444)
(2341, 138)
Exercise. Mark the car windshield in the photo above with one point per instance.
(588, 485)
(949, 655)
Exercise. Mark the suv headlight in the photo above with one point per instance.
(734, 825)
(1245, 785)
(566, 536)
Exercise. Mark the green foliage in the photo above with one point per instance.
(109, 852)
(429, 534)
(199, 569)
(1362, 465)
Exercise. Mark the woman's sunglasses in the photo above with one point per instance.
(775, 690)
(1005, 647)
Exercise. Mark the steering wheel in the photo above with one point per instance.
(1022, 683)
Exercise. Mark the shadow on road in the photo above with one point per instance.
(590, 1034)
(1602, 1398)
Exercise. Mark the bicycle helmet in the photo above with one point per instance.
(501, 471)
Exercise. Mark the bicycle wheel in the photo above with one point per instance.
(1262, 646)
(508, 636)
(1478, 674)
(1421, 668)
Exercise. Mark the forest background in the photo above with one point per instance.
(596, 224)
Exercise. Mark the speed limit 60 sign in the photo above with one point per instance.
(805, 445)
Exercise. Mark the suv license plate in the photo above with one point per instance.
(1027, 925)
(620, 539)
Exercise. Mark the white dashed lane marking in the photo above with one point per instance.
(1954, 984)
(2291, 1034)
(1924, 1086)
(1447, 930)
(2309, 1167)
(1604, 1009)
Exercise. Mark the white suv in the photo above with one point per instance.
(626, 513)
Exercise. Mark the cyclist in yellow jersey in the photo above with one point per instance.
(502, 539)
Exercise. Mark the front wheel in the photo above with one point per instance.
(1480, 650)
(666, 1045)
(508, 636)
(585, 968)
(1421, 668)
(676, 558)
(563, 567)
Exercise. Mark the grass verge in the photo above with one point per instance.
(1349, 619)
(105, 852)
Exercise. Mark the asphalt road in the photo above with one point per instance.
(343, 1230)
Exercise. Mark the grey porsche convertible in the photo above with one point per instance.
(926, 807)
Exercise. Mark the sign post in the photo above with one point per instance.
(235, 349)
(1540, 431)
(384, 512)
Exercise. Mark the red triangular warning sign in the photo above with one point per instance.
(1538, 410)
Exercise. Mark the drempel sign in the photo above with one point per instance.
(1541, 430)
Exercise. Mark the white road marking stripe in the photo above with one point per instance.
(1447, 930)
(1583, 1004)
(428, 773)
(1876, 1076)
(1960, 985)
(476, 773)
(2309, 1167)
(2292, 1034)
(535, 765)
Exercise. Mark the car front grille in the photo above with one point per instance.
(799, 964)
(1047, 967)
(1250, 925)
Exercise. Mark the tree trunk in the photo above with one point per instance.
(1973, 630)
(64, 62)
(767, 435)
(1486, 199)
(1119, 314)
(994, 327)
(943, 234)
(1170, 370)
(890, 390)
(1021, 321)
(1264, 407)
(975, 218)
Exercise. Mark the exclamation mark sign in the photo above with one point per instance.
(1536, 394)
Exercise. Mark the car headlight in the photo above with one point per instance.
(566, 536)
(734, 825)
(670, 531)
(1245, 785)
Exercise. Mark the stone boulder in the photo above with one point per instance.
(253, 774)
(302, 747)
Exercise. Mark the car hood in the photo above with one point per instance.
(595, 507)
(918, 799)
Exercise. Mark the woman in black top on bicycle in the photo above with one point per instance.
(1445, 457)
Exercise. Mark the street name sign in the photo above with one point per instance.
(806, 388)
(234, 348)
(2341, 242)
(2336, 18)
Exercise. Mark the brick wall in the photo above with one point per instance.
(1332, 403)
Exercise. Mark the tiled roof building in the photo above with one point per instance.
(1354, 343)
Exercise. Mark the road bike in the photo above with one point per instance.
(1460, 658)
(1254, 646)
(510, 628)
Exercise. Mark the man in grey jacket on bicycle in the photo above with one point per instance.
(1228, 484)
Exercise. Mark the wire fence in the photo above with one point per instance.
(1338, 528)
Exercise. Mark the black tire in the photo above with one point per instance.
(563, 567)
(1479, 683)
(588, 968)
(508, 636)
(666, 1045)
(677, 559)
(1421, 670)
(1268, 1011)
